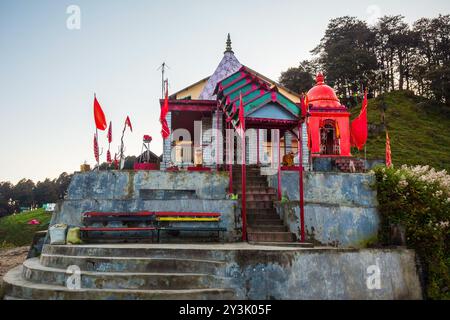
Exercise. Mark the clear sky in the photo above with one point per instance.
(49, 73)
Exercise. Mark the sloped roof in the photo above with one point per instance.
(227, 66)
(256, 93)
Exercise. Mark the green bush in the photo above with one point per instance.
(418, 198)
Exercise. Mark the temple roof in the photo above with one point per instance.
(257, 93)
(322, 95)
(229, 65)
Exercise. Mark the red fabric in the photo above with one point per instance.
(308, 130)
(96, 148)
(116, 161)
(303, 105)
(99, 116)
(241, 113)
(165, 131)
(110, 132)
(128, 123)
(358, 128)
(388, 151)
(108, 157)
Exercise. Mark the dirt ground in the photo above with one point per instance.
(10, 258)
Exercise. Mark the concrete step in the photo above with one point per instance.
(256, 190)
(270, 236)
(283, 244)
(259, 197)
(200, 252)
(261, 211)
(18, 287)
(257, 216)
(33, 271)
(132, 264)
(268, 228)
(265, 222)
(237, 185)
(259, 204)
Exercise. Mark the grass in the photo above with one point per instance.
(418, 129)
(15, 232)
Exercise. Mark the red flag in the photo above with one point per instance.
(303, 105)
(388, 151)
(96, 148)
(241, 113)
(110, 132)
(308, 131)
(128, 123)
(108, 157)
(165, 131)
(358, 128)
(116, 162)
(99, 116)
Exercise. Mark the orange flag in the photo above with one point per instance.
(388, 151)
(99, 116)
(358, 128)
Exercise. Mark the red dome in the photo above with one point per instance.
(321, 95)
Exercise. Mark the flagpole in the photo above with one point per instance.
(96, 137)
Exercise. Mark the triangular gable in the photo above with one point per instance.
(258, 96)
(271, 110)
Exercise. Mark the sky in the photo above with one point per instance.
(50, 68)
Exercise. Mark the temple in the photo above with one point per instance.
(200, 114)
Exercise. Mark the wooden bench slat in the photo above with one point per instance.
(192, 229)
(117, 229)
(189, 214)
(188, 219)
(117, 214)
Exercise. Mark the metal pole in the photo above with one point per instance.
(98, 148)
(300, 184)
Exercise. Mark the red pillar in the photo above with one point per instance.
(257, 147)
(279, 168)
(217, 139)
(230, 161)
(243, 182)
(300, 184)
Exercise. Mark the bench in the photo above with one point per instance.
(165, 221)
(130, 224)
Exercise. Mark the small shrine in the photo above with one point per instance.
(328, 122)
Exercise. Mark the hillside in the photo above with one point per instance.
(419, 130)
(14, 230)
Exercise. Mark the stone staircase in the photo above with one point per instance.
(116, 272)
(263, 223)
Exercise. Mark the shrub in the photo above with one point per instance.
(418, 198)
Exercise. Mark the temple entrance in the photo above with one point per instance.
(329, 143)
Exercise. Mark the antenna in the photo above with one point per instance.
(163, 67)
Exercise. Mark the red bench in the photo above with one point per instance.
(127, 219)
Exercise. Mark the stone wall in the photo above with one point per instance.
(340, 208)
(129, 191)
(323, 274)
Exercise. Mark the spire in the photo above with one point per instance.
(228, 48)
